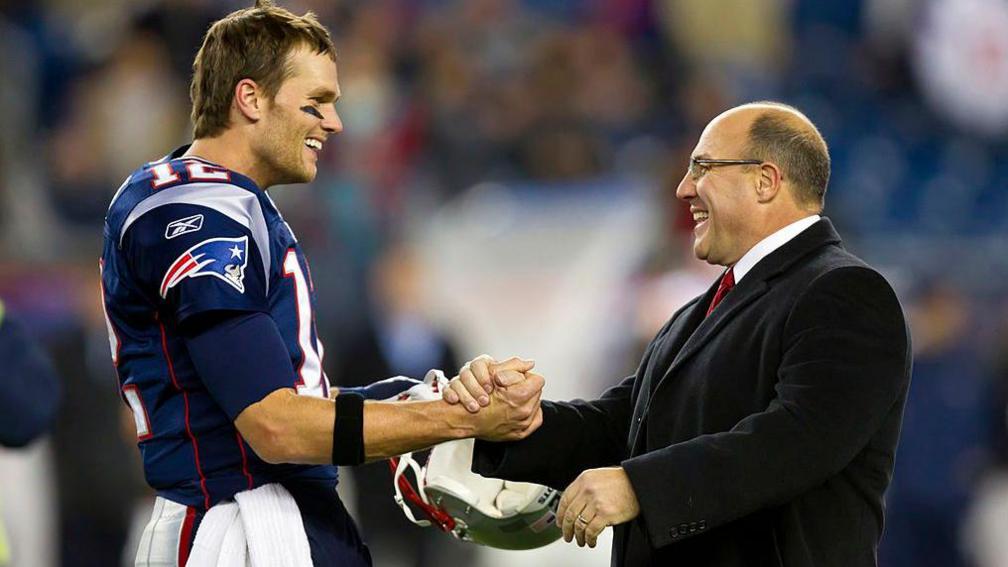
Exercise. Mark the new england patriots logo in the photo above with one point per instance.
(223, 258)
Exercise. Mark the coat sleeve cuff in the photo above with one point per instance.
(656, 490)
(488, 458)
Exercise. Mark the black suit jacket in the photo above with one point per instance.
(761, 435)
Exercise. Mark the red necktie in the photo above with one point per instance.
(727, 282)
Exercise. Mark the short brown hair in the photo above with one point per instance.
(799, 149)
(254, 43)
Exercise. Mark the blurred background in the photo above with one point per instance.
(505, 184)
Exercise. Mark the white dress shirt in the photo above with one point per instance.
(764, 247)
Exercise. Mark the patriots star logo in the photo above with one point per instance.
(222, 258)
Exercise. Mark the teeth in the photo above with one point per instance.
(313, 143)
(700, 216)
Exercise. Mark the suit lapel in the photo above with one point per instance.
(732, 304)
(755, 284)
(687, 342)
(686, 320)
(684, 326)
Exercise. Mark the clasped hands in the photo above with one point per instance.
(503, 397)
(598, 497)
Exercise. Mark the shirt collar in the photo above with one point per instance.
(764, 247)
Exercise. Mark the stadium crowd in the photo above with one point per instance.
(554, 100)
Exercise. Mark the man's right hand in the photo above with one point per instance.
(513, 411)
(479, 377)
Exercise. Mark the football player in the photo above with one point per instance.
(210, 306)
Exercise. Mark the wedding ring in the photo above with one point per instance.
(582, 519)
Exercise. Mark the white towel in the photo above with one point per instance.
(262, 528)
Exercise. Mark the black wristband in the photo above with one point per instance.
(348, 430)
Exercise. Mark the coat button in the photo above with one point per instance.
(692, 527)
(702, 525)
(683, 529)
(673, 533)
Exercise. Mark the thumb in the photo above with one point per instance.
(513, 363)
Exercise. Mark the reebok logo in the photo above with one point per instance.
(183, 226)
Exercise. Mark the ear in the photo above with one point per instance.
(248, 100)
(769, 182)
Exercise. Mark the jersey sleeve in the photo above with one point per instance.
(241, 359)
(193, 258)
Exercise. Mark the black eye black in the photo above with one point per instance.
(313, 111)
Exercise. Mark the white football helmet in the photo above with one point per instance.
(489, 511)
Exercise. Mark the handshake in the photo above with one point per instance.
(502, 397)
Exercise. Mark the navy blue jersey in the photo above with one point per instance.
(183, 237)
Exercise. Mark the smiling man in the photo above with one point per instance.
(211, 321)
(761, 425)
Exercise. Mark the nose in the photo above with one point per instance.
(332, 122)
(686, 189)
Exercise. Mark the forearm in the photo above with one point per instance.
(289, 428)
(564, 447)
(286, 428)
(575, 436)
(394, 428)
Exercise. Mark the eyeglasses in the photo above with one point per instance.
(699, 166)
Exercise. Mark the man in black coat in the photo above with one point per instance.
(761, 425)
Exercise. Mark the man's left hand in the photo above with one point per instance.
(597, 499)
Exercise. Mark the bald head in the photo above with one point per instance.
(781, 134)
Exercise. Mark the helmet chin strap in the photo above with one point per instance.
(431, 389)
(404, 490)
